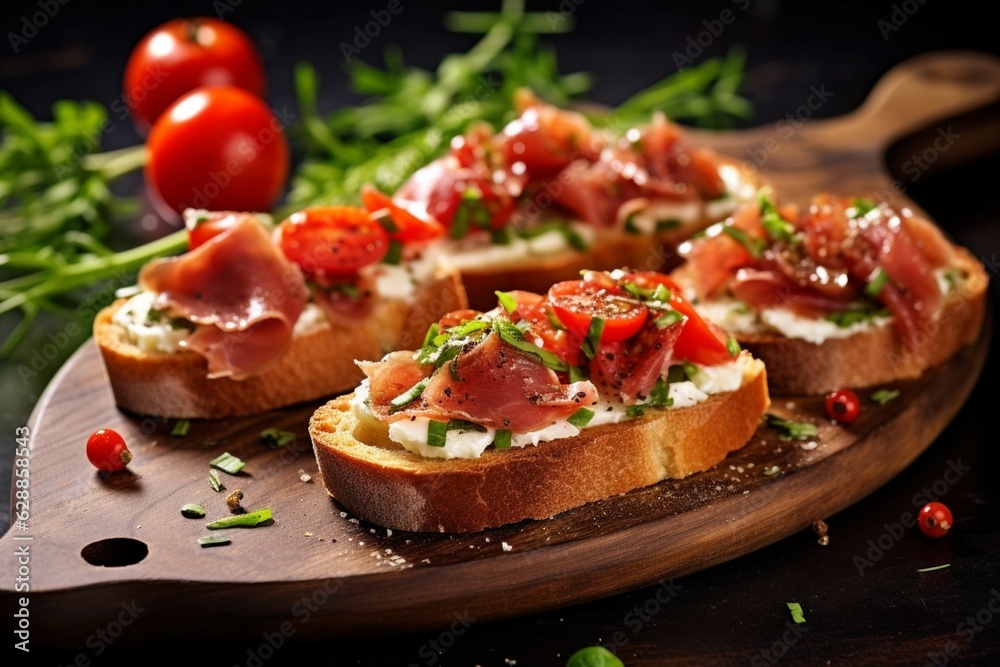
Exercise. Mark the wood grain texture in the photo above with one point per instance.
(325, 574)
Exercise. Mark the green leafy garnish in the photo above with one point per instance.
(512, 335)
(214, 540)
(502, 438)
(630, 226)
(181, 428)
(796, 610)
(579, 373)
(772, 470)
(407, 397)
(659, 397)
(248, 520)
(857, 314)
(437, 433)
(432, 333)
(861, 206)
(593, 338)
(193, 511)
(581, 417)
(573, 238)
(508, 302)
(667, 225)
(668, 318)
(792, 430)
(676, 374)
(276, 439)
(776, 227)
(753, 245)
(594, 656)
(394, 255)
(228, 463)
(883, 396)
(732, 346)
(877, 282)
(634, 411)
(214, 482)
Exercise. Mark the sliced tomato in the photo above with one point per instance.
(545, 139)
(409, 227)
(201, 229)
(700, 342)
(532, 308)
(332, 241)
(577, 302)
(456, 317)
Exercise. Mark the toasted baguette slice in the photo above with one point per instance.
(875, 356)
(609, 249)
(318, 363)
(376, 479)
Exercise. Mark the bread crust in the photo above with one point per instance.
(877, 356)
(318, 363)
(379, 481)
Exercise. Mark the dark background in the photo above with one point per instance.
(731, 613)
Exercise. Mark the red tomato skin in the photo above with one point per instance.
(411, 227)
(200, 233)
(217, 148)
(843, 406)
(577, 302)
(107, 451)
(332, 241)
(184, 54)
(935, 520)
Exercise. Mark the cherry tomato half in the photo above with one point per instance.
(409, 226)
(935, 520)
(184, 54)
(555, 337)
(107, 451)
(217, 148)
(700, 342)
(577, 302)
(332, 241)
(843, 406)
(201, 229)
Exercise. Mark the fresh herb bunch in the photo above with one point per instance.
(57, 207)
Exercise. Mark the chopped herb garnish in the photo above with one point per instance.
(634, 411)
(394, 255)
(630, 226)
(508, 302)
(228, 463)
(935, 568)
(732, 346)
(776, 227)
(470, 211)
(213, 481)
(578, 373)
(862, 207)
(676, 374)
(388, 224)
(792, 430)
(594, 656)
(511, 334)
(572, 237)
(276, 439)
(181, 428)
(214, 540)
(659, 293)
(796, 610)
(248, 520)
(193, 511)
(690, 370)
(861, 313)
(554, 320)
(465, 425)
(753, 245)
(669, 318)
(581, 417)
(407, 397)
(666, 225)
(773, 470)
(883, 396)
(502, 439)
(500, 236)
(593, 338)
(437, 433)
(660, 396)
(876, 282)
(432, 333)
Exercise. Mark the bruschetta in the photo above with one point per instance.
(539, 405)
(850, 294)
(252, 319)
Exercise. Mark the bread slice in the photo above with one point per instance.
(877, 355)
(319, 362)
(376, 479)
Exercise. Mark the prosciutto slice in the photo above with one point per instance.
(242, 293)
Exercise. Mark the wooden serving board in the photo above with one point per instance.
(97, 543)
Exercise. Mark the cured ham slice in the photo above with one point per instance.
(631, 368)
(242, 293)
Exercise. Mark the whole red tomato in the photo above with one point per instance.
(184, 54)
(218, 148)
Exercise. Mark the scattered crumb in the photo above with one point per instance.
(308, 533)
(361, 544)
(732, 467)
(509, 661)
(320, 539)
(408, 541)
(751, 464)
(746, 492)
(790, 405)
(353, 520)
(304, 476)
(506, 547)
(388, 533)
(426, 560)
(718, 488)
(487, 539)
(820, 528)
(343, 514)
(388, 551)
(371, 530)
(740, 469)
(809, 446)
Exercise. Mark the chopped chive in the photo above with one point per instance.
(213, 481)
(848, 318)
(193, 511)
(394, 255)
(776, 227)
(214, 540)
(660, 396)
(350, 291)
(437, 433)
(753, 245)
(181, 428)
(432, 333)
(578, 373)
(508, 302)
(512, 335)
(666, 225)
(862, 206)
(773, 470)
(796, 610)
(502, 439)
(581, 417)
(883, 396)
(593, 339)
(732, 346)
(572, 237)
(690, 370)
(388, 224)
(662, 294)
(636, 291)
(248, 520)
(500, 236)
(877, 282)
(630, 226)
(669, 318)
(407, 397)
(634, 411)
(935, 568)
(554, 320)
(676, 374)
(276, 439)
(791, 430)
(228, 463)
